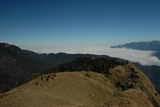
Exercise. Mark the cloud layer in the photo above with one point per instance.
(142, 57)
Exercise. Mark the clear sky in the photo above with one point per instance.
(45, 23)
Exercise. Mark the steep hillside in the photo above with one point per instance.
(17, 67)
(153, 72)
(85, 89)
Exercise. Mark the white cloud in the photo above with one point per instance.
(142, 57)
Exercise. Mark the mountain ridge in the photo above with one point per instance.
(150, 45)
(84, 89)
(36, 64)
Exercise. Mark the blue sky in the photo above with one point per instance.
(45, 23)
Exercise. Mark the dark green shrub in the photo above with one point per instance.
(87, 75)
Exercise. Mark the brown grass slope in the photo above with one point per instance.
(84, 89)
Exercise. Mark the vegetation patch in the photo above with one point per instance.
(87, 75)
(35, 75)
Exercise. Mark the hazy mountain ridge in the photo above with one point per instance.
(152, 46)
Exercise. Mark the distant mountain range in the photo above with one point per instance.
(152, 46)
(153, 72)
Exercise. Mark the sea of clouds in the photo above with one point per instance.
(142, 57)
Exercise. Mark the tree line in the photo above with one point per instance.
(100, 65)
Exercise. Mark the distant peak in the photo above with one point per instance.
(7, 45)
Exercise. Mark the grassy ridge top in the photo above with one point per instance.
(83, 89)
